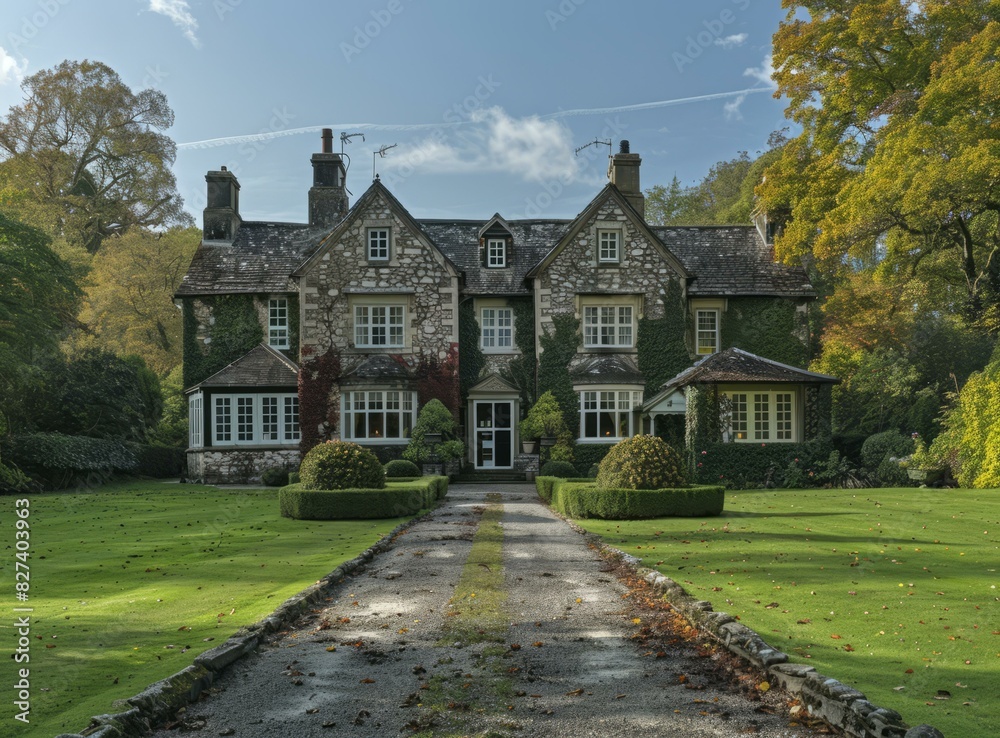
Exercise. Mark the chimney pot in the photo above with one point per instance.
(623, 147)
(223, 169)
(327, 137)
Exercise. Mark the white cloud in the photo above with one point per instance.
(11, 70)
(731, 42)
(535, 150)
(763, 73)
(732, 108)
(179, 12)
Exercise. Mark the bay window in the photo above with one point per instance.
(378, 415)
(608, 415)
(248, 419)
(760, 416)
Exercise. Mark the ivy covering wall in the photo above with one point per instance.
(558, 350)
(235, 331)
(521, 370)
(770, 327)
(660, 343)
(470, 355)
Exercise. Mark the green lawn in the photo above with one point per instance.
(880, 589)
(130, 582)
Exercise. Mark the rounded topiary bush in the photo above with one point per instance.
(401, 468)
(558, 469)
(887, 443)
(341, 465)
(276, 476)
(641, 462)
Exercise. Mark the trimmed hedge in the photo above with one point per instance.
(58, 459)
(752, 466)
(562, 469)
(587, 500)
(341, 465)
(159, 462)
(544, 484)
(401, 468)
(397, 499)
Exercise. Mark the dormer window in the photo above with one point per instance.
(496, 253)
(608, 247)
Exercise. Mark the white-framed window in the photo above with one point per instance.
(496, 252)
(379, 325)
(277, 323)
(497, 327)
(707, 331)
(609, 247)
(195, 420)
(378, 416)
(378, 244)
(608, 415)
(761, 417)
(608, 325)
(246, 419)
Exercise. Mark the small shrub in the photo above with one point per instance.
(545, 418)
(642, 462)
(558, 469)
(434, 417)
(276, 476)
(13, 481)
(890, 473)
(402, 468)
(887, 443)
(341, 465)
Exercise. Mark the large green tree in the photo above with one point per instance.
(128, 308)
(84, 157)
(896, 162)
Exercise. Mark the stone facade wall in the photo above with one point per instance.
(237, 465)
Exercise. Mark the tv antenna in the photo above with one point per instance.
(346, 138)
(381, 155)
(595, 142)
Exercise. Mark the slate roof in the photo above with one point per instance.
(459, 240)
(259, 260)
(736, 365)
(262, 366)
(606, 369)
(377, 367)
(732, 260)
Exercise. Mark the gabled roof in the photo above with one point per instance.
(606, 369)
(380, 367)
(262, 366)
(375, 190)
(495, 220)
(259, 260)
(577, 224)
(737, 365)
(459, 240)
(732, 260)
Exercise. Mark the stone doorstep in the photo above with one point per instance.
(838, 704)
(163, 698)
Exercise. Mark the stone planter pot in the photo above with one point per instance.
(927, 476)
(529, 447)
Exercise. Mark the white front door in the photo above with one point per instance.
(494, 434)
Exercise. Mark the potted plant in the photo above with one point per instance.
(922, 466)
(544, 419)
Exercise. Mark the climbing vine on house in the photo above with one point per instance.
(520, 371)
(470, 355)
(769, 327)
(318, 375)
(439, 380)
(660, 345)
(235, 331)
(558, 349)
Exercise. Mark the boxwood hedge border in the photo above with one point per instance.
(584, 499)
(396, 499)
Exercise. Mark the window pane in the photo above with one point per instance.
(277, 323)
(378, 244)
(608, 424)
(708, 331)
(739, 417)
(783, 416)
(291, 418)
(244, 418)
(269, 418)
(223, 419)
(761, 417)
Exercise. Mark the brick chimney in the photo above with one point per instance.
(222, 211)
(623, 171)
(328, 196)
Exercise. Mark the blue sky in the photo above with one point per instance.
(485, 101)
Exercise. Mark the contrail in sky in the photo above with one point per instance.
(209, 143)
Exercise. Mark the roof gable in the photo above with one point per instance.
(590, 212)
(375, 191)
(737, 365)
(262, 366)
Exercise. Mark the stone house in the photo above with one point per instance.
(345, 326)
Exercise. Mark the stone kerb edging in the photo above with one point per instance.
(163, 699)
(836, 703)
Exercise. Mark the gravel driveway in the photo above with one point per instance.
(374, 662)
